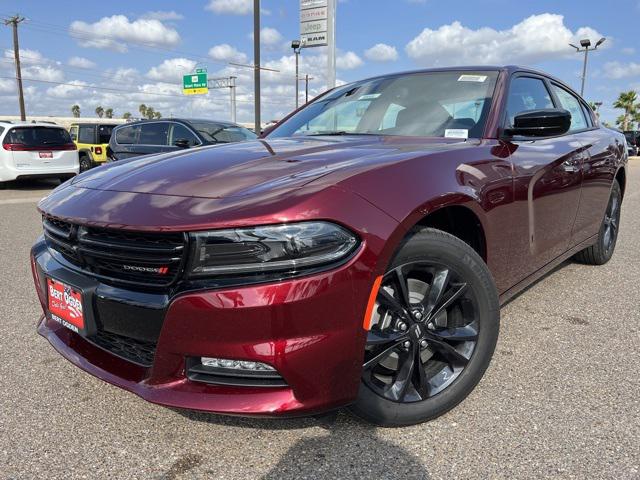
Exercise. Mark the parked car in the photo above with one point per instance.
(92, 140)
(633, 141)
(36, 150)
(159, 136)
(358, 254)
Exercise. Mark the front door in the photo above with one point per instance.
(547, 183)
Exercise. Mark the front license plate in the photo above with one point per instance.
(65, 305)
(46, 154)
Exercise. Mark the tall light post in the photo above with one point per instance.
(297, 45)
(586, 47)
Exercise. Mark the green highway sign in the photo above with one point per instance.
(195, 83)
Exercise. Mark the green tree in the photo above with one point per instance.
(99, 111)
(126, 115)
(149, 113)
(157, 115)
(75, 110)
(108, 113)
(143, 110)
(627, 101)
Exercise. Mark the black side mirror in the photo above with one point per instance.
(181, 143)
(546, 122)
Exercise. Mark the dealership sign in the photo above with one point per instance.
(314, 27)
(195, 83)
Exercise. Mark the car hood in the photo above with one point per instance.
(254, 167)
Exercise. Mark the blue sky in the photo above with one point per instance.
(140, 49)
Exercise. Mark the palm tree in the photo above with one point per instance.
(157, 115)
(143, 110)
(99, 111)
(150, 113)
(126, 115)
(627, 102)
(108, 113)
(75, 110)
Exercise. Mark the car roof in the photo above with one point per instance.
(187, 121)
(97, 123)
(27, 124)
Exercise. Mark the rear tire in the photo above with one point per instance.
(85, 163)
(601, 252)
(449, 321)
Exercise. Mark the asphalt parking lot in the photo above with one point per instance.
(561, 398)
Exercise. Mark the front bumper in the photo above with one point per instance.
(309, 329)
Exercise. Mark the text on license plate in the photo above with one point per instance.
(45, 154)
(65, 305)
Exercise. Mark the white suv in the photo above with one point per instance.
(36, 150)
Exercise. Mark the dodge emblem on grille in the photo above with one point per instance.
(138, 268)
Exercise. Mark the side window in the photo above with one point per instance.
(180, 132)
(526, 93)
(572, 104)
(156, 133)
(86, 134)
(73, 131)
(588, 114)
(127, 135)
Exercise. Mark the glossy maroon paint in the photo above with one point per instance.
(536, 201)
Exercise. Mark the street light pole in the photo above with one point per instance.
(586, 47)
(297, 46)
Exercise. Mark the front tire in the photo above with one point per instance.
(601, 252)
(433, 331)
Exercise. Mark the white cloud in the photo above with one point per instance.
(81, 62)
(45, 73)
(269, 37)
(115, 31)
(536, 38)
(27, 56)
(617, 70)
(65, 91)
(348, 61)
(172, 70)
(7, 85)
(381, 52)
(629, 50)
(162, 15)
(124, 75)
(226, 53)
(232, 7)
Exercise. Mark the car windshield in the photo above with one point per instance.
(218, 132)
(434, 104)
(37, 136)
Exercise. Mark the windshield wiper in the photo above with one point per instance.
(336, 133)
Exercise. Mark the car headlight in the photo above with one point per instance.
(275, 248)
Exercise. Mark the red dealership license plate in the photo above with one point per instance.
(46, 154)
(65, 305)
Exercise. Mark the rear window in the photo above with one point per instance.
(154, 133)
(37, 136)
(104, 133)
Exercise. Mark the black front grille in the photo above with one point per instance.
(136, 351)
(133, 258)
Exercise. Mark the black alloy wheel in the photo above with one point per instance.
(432, 332)
(425, 331)
(602, 250)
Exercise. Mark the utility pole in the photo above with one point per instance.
(14, 21)
(256, 65)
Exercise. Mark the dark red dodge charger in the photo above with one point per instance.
(357, 254)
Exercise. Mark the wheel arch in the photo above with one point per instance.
(457, 214)
(85, 151)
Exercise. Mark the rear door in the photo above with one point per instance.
(41, 148)
(547, 181)
(153, 138)
(86, 137)
(124, 141)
